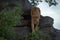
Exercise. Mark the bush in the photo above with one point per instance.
(35, 36)
(9, 18)
(32, 36)
(2, 38)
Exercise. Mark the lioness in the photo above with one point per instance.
(35, 16)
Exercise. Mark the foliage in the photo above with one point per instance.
(2, 38)
(36, 2)
(32, 36)
(8, 18)
(35, 36)
(8, 33)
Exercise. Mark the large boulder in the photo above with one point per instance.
(46, 21)
(45, 26)
(57, 34)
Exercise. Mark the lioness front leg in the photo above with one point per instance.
(37, 25)
(32, 26)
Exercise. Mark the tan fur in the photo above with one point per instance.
(35, 16)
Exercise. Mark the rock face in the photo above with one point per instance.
(8, 3)
(57, 34)
(45, 26)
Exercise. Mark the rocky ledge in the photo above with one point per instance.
(45, 27)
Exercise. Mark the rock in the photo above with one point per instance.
(45, 27)
(46, 21)
(57, 34)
